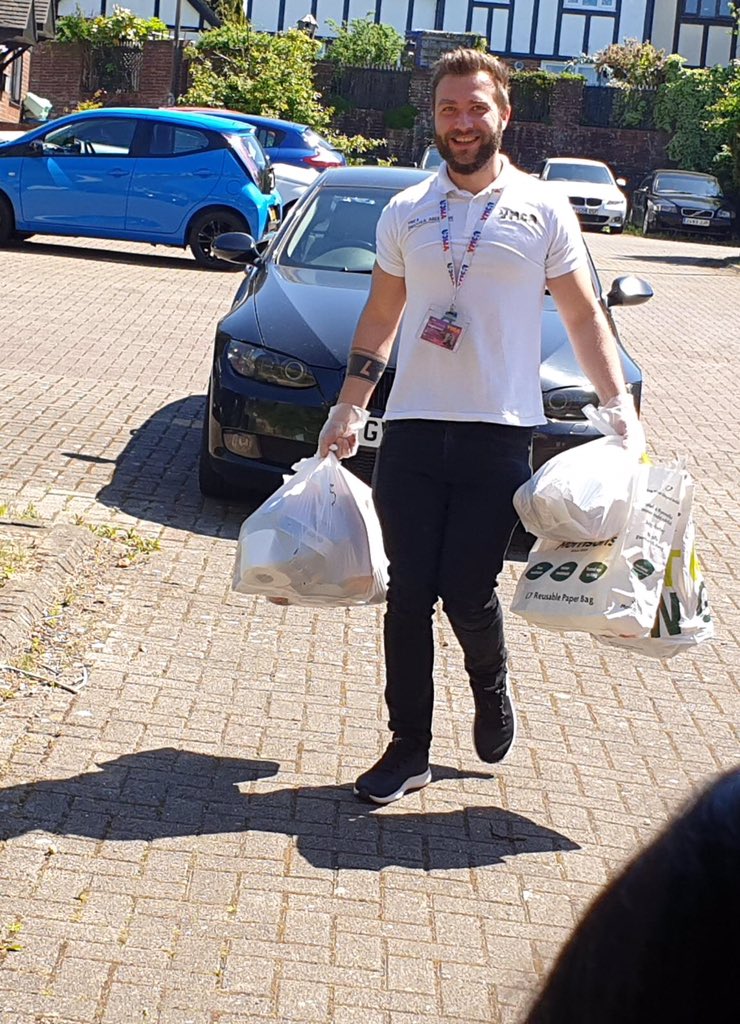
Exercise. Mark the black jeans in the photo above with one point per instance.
(443, 491)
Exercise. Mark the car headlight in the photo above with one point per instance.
(615, 203)
(268, 367)
(567, 403)
(662, 207)
(725, 213)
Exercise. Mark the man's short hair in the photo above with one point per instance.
(464, 61)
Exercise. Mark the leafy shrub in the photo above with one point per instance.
(361, 43)
(636, 63)
(401, 117)
(234, 66)
(109, 29)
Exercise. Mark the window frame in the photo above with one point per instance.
(713, 19)
(586, 7)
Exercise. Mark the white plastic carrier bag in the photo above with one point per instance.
(582, 494)
(684, 617)
(612, 588)
(316, 541)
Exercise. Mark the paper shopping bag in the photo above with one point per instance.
(614, 587)
(684, 617)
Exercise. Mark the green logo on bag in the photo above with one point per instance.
(592, 572)
(642, 568)
(538, 570)
(564, 571)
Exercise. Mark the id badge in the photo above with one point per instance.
(443, 328)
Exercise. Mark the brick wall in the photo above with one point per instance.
(10, 113)
(56, 74)
(629, 152)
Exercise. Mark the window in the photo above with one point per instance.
(269, 137)
(169, 140)
(16, 79)
(710, 9)
(106, 136)
(591, 5)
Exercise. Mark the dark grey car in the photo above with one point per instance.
(281, 352)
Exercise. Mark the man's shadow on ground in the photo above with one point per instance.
(156, 478)
(176, 793)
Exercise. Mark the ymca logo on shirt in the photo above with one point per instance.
(522, 216)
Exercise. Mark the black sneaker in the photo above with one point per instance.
(494, 728)
(403, 767)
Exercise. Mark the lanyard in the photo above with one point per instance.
(457, 279)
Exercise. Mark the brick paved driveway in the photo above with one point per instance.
(181, 842)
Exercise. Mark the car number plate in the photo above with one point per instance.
(372, 433)
(699, 222)
(581, 209)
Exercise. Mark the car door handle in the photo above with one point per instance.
(203, 173)
(117, 173)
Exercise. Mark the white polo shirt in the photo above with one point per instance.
(531, 235)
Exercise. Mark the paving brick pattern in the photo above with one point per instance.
(181, 843)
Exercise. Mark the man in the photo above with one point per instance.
(465, 256)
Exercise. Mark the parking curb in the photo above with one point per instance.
(25, 601)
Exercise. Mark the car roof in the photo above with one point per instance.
(256, 119)
(574, 160)
(375, 177)
(191, 117)
(689, 174)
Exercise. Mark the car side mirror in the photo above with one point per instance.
(622, 182)
(236, 247)
(35, 148)
(629, 291)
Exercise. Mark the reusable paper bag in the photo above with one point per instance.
(612, 588)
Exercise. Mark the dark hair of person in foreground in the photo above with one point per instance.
(661, 945)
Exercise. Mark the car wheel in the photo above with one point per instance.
(22, 236)
(205, 228)
(211, 483)
(646, 223)
(7, 221)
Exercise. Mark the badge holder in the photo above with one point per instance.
(443, 328)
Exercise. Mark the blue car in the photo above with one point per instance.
(284, 141)
(138, 175)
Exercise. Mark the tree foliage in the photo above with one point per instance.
(682, 109)
(234, 66)
(361, 43)
(724, 121)
(109, 29)
(633, 62)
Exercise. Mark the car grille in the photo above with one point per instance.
(379, 398)
(362, 464)
(585, 201)
(592, 218)
(687, 211)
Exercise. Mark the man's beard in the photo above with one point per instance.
(488, 147)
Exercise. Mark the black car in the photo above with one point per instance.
(280, 354)
(682, 201)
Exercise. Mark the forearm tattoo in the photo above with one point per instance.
(366, 366)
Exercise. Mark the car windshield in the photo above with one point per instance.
(685, 184)
(595, 174)
(336, 231)
(315, 140)
(431, 157)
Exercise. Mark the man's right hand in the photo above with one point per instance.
(341, 432)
